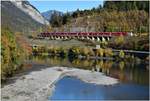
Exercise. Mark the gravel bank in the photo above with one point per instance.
(38, 85)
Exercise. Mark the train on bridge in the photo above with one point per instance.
(99, 36)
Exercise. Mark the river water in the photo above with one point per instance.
(133, 79)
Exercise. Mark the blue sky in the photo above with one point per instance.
(64, 6)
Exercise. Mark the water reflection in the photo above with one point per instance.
(125, 71)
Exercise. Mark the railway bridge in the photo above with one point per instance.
(97, 36)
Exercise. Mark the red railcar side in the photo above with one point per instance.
(46, 34)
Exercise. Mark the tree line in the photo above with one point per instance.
(57, 20)
(127, 5)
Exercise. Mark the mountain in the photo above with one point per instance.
(21, 16)
(47, 15)
(30, 10)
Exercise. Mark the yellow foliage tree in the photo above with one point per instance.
(119, 40)
(108, 52)
(121, 54)
(100, 52)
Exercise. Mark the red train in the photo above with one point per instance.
(47, 34)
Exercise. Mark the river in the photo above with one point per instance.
(133, 79)
(44, 78)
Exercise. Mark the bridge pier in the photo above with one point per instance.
(57, 37)
(98, 36)
(87, 38)
(60, 37)
(69, 37)
(79, 37)
(66, 36)
(108, 38)
(51, 37)
(82, 38)
(98, 39)
(63, 37)
(54, 37)
(93, 38)
(103, 39)
(90, 38)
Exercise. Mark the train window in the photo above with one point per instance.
(47, 34)
(61, 33)
(79, 33)
(89, 33)
(83, 33)
(74, 33)
(124, 33)
(100, 33)
(107, 33)
(94, 33)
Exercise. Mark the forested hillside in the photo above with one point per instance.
(130, 16)
(127, 5)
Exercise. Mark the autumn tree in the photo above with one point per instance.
(56, 19)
